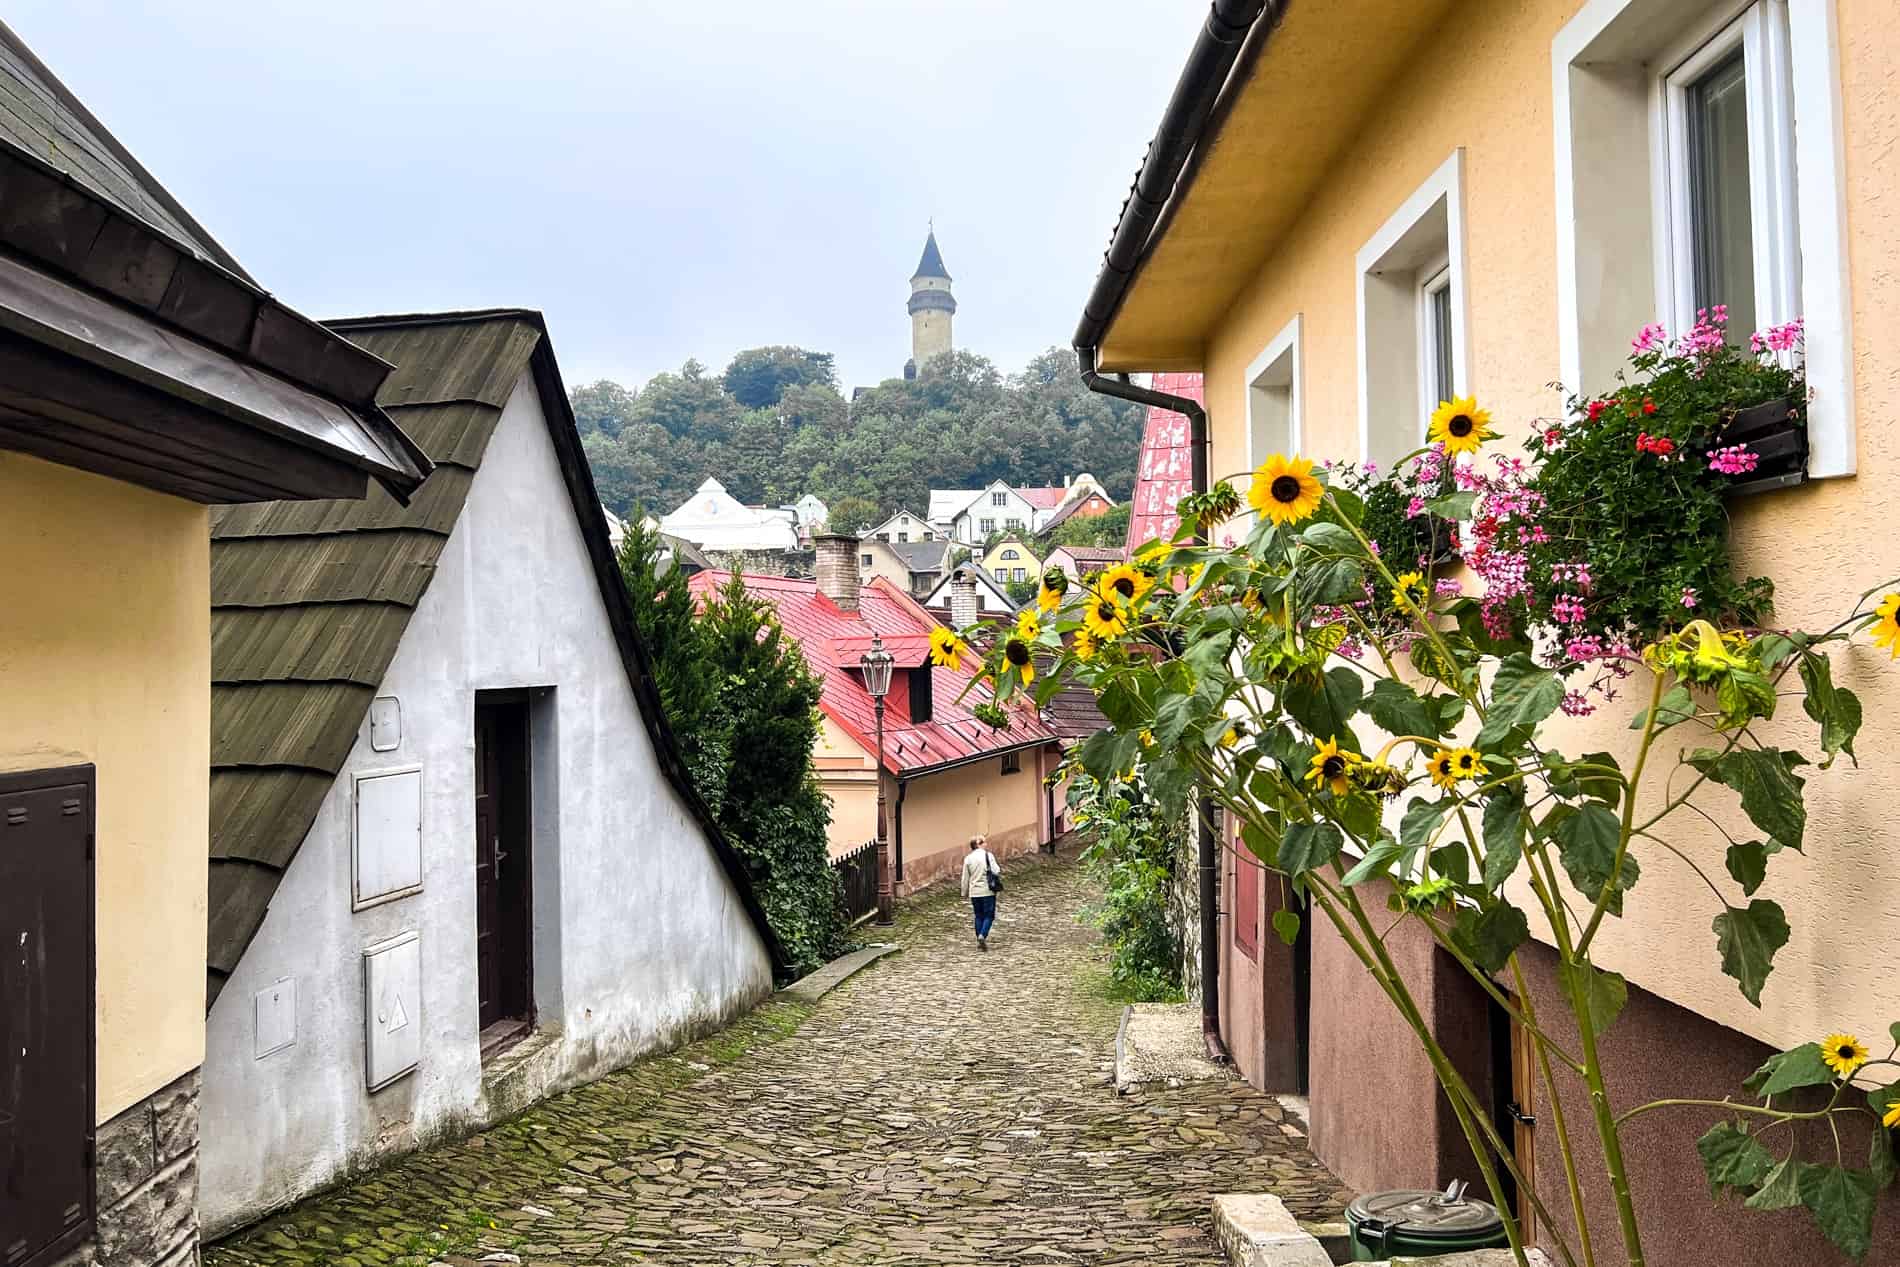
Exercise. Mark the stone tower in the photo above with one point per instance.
(931, 307)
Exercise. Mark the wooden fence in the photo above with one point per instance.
(857, 872)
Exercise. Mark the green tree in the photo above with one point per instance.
(758, 377)
(854, 514)
(602, 406)
(1110, 528)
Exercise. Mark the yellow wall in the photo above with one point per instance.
(942, 811)
(1484, 84)
(105, 657)
(1025, 559)
(846, 773)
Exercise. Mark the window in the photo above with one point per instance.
(1246, 905)
(1730, 116)
(1011, 554)
(1411, 315)
(1015, 574)
(987, 526)
(865, 560)
(903, 536)
(1273, 390)
(1012, 763)
(1013, 523)
(999, 499)
(1002, 573)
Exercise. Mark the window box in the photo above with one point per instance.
(1778, 435)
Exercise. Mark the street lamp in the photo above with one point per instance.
(876, 664)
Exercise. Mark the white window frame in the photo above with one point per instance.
(1434, 279)
(1761, 33)
(1282, 354)
(1594, 117)
(1404, 246)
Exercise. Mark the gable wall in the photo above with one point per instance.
(640, 940)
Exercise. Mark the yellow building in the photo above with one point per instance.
(146, 376)
(1388, 204)
(1010, 561)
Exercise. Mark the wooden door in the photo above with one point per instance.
(503, 914)
(1522, 1111)
(46, 1014)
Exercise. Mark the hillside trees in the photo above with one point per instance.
(959, 424)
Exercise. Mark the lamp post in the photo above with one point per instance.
(876, 664)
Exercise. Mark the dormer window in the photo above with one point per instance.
(920, 700)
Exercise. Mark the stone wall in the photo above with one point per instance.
(147, 1176)
(1184, 911)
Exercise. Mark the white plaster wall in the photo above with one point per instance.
(640, 940)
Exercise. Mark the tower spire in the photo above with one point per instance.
(931, 305)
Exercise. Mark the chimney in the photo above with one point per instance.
(837, 568)
(963, 609)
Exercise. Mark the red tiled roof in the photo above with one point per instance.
(832, 639)
(1047, 498)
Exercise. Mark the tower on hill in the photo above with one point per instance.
(931, 307)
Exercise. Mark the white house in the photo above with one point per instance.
(455, 862)
(997, 508)
(902, 526)
(714, 519)
(990, 598)
(810, 513)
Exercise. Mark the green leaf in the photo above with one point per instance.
(1522, 695)
(1108, 754)
(1308, 845)
(1603, 995)
(1503, 835)
(1333, 538)
(1587, 844)
(1676, 706)
(1744, 694)
(1732, 1158)
(1330, 582)
(1397, 709)
(1488, 937)
(1453, 505)
(1415, 828)
(1260, 844)
(1780, 1188)
(1748, 864)
(1172, 716)
(1880, 1097)
(1771, 791)
(1788, 1070)
(1326, 707)
(1748, 939)
(1835, 707)
(1773, 648)
(1880, 1163)
(1842, 1202)
(1378, 860)
(1601, 783)
(1287, 924)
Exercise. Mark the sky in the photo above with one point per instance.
(663, 180)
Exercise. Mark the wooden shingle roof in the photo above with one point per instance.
(310, 600)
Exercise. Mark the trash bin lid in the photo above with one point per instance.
(1427, 1215)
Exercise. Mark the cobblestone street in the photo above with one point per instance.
(940, 1107)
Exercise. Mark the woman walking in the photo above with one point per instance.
(982, 880)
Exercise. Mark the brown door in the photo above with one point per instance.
(503, 915)
(46, 1013)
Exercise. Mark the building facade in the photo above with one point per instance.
(1011, 562)
(441, 794)
(1368, 239)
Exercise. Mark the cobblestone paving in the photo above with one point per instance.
(943, 1107)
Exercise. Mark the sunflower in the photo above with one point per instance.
(1892, 1116)
(1410, 591)
(1460, 425)
(1016, 652)
(1449, 765)
(1104, 617)
(1230, 738)
(1333, 767)
(1124, 584)
(1887, 624)
(1284, 489)
(1028, 626)
(947, 649)
(1084, 645)
(1147, 738)
(1055, 583)
(1843, 1054)
(1378, 776)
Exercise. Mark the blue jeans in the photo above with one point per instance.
(985, 908)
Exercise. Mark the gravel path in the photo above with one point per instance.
(942, 1107)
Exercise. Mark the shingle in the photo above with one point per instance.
(478, 360)
(352, 642)
(454, 433)
(308, 725)
(240, 894)
(384, 567)
(435, 508)
(249, 808)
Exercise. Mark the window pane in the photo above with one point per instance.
(1720, 221)
(1440, 317)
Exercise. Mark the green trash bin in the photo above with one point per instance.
(1419, 1223)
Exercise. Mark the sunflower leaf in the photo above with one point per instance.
(1309, 845)
(1332, 538)
(1503, 835)
(1489, 937)
(1835, 707)
(1586, 841)
(1108, 754)
(1842, 1202)
(1397, 709)
(1415, 828)
(1780, 1187)
(1287, 924)
(1748, 865)
(1770, 789)
(1880, 1162)
(1330, 582)
(1378, 860)
(1453, 505)
(1260, 843)
(1597, 994)
(1522, 694)
(1732, 1158)
(1789, 1070)
(1748, 938)
(1326, 707)
(1676, 706)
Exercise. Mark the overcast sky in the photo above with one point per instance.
(664, 180)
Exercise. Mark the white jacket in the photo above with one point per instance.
(976, 872)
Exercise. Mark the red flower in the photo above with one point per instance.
(1553, 436)
(1649, 406)
(1596, 409)
(1661, 446)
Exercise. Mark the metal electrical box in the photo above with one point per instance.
(275, 1016)
(387, 835)
(392, 1009)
